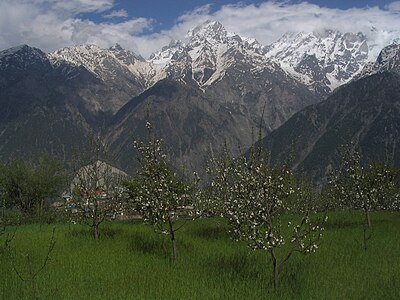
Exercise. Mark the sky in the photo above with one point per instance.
(145, 26)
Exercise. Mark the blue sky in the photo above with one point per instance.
(166, 12)
(144, 26)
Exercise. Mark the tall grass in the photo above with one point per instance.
(130, 261)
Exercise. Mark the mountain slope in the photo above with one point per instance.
(121, 73)
(40, 110)
(365, 112)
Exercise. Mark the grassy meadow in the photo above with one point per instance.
(131, 261)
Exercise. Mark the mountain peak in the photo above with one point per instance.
(388, 54)
(208, 30)
(388, 60)
(21, 49)
(116, 47)
(22, 56)
(207, 26)
(325, 33)
(17, 48)
(127, 56)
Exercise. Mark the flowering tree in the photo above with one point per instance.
(396, 201)
(97, 190)
(156, 192)
(366, 188)
(254, 196)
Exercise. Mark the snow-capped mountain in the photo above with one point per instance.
(107, 64)
(322, 60)
(218, 86)
(210, 51)
(388, 60)
(122, 72)
(225, 66)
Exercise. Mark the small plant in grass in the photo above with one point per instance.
(156, 192)
(363, 187)
(5, 238)
(254, 196)
(29, 271)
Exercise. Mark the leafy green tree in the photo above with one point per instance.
(29, 184)
(254, 197)
(156, 192)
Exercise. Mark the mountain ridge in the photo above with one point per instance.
(217, 86)
(364, 113)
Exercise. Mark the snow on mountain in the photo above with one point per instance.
(322, 60)
(136, 64)
(209, 52)
(107, 64)
(388, 60)
(163, 57)
(121, 74)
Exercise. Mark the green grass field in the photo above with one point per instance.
(130, 261)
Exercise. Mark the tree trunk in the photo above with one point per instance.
(172, 234)
(275, 269)
(95, 232)
(368, 218)
(96, 221)
(41, 205)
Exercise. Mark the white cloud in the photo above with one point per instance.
(394, 6)
(107, 34)
(67, 7)
(121, 13)
(268, 21)
(52, 24)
